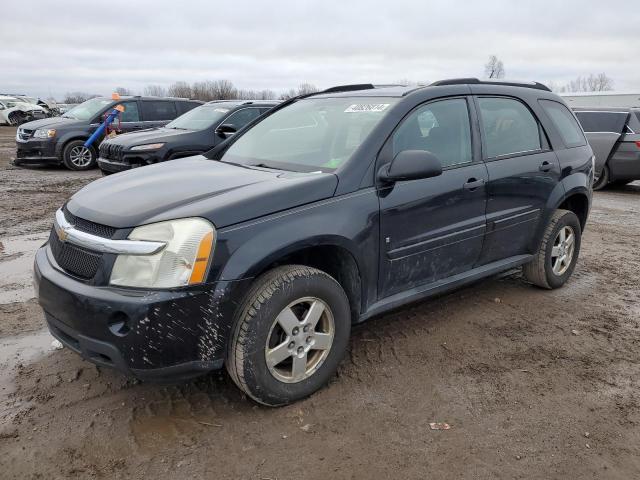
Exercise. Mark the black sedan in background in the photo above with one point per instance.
(193, 133)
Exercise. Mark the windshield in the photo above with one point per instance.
(89, 109)
(310, 135)
(200, 118)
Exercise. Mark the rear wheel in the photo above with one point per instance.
(601, 180)
(291, 333)
(76, 156)
(556, 258)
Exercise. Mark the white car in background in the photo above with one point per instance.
(16, 111)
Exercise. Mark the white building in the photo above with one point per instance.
(601, 99)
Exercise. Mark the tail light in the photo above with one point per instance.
(638, 144)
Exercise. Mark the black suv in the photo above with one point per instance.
(60, 140)
(195, 132)
(614, 136)
(333, 208)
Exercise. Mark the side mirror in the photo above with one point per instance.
(411, 165)
(226, 130)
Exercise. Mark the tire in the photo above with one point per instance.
(258, 334)
(603, 180)
(75, 156)
(544, 271)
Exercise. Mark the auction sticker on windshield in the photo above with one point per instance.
(367, 107)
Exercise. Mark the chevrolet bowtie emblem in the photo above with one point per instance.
(61, 232)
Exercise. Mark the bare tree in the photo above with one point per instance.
(494, 68)
(593, 83)
(155, 91)
(122, 91)
(77, 97)
(180, 89)
(303, 89)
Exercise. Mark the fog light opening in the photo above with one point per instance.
(119, 324)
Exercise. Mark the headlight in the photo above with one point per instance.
(43, 133)
(149, 146)
(184, 261)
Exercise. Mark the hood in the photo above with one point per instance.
(152, 135)
(52, 122)
(196, 187)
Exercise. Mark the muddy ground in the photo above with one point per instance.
(535, 384)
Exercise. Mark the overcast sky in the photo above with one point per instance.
(51, 48)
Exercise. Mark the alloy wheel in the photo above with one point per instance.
(563, 250)
(299, 340)
(80, 156)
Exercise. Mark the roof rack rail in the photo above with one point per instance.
(348, 88)
(475, 81)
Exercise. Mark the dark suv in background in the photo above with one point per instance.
(193, 133)
(333, 208)
(60, 140)
(614, 135)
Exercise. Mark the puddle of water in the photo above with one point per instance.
(19, 349)
(16, 266)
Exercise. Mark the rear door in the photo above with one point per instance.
(523, 171)
(156, 113)
(603, 130)
(433, 228)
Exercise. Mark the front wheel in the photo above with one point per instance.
(290, 335)
(556, 258)
(76, 156)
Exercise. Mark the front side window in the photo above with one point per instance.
(313, 134)
(130, 113)
(565, 123)
(442, 128)
(508, 126)
(240, 118)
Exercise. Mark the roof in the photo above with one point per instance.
(245, 102)
(605, 109)
(598, 94)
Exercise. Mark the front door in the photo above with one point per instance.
(433, 228)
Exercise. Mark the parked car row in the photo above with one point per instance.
(327, 210)
(15, 111)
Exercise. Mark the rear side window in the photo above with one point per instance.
(158, 110)
(509, 127)
(441, 127)
(601, 121)
(565, 123)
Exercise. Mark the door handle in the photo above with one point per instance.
(473, 183)
(545, 166)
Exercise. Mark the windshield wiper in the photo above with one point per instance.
(264, 165)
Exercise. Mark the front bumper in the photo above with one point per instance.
(113, 166)
(36, 151)
(158, 335)
(128, 160)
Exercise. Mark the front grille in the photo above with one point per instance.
(111, 151)
(89, 227)
(75, 260)
(78, 261)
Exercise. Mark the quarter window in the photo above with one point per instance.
(442, 128)
(509, 127)
(565, 123)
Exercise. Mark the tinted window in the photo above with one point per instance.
(184, 107)
(130, 113)
(508, 127)
(158, 110)
(240, 118)
(442, 128)
(565, 122)
(602, 121)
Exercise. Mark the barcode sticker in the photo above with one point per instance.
(366, 107)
